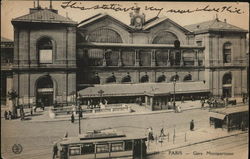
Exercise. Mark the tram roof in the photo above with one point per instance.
(77, 140)
(107, 135)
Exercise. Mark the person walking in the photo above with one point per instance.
(162, 134)
(5, 115)
(55, 151)
(10, 115)
(192, 125)
(72, 118)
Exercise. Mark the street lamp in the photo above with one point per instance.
(100, 92)
(174, 82)
(79, 111)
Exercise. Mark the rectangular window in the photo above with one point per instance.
(116, 147)
(128, 144)
(74, 150)
(88, 148)
(199, 43)
(45, 56)
(102, 148)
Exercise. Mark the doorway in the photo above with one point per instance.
(45, 91)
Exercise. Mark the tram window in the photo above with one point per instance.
(88, 148)
(74, 150)
(102, 148)
(128, 145)
(116, 147)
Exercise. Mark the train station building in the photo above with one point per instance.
(102, 57)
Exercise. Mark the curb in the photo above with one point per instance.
(200, 142)
(113, 115)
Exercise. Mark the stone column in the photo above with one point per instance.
(153, 61)
(181, 62)
(151, 102)
(137, 58)
(168, 61)
(104, 63)
(196, 58)
(120, 58)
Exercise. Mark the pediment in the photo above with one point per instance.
(165, 23)
(104, 20)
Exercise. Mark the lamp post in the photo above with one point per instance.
(174, 82)
(79, 111)
(100, 92)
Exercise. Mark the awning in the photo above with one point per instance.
(217, 115)
(140, 89)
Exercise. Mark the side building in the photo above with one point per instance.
(44, 66)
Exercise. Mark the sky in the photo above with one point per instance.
(236, 13)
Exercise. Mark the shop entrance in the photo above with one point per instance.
(45, 91)
(227, 85)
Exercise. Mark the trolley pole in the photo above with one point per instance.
(79, 112)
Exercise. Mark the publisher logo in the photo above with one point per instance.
(17, 148)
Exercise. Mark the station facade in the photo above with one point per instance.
(102, 57)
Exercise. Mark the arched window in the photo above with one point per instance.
(104, 35)
(161, 78)
(165, 38)
(126, 79)
(227, 78)
(45, 82)
(144, 79)
(227, 52)
(188, 77)
(111, 79)
(175, 77)
(45, 50)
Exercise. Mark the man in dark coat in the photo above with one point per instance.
(72, 118)
(5, 115)
(55, 151)
(192, 125)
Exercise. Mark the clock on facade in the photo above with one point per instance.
(138, 20)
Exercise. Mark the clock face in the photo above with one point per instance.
(138, 20)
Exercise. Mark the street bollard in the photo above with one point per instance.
(173, 138)
(185, 137)
(168, 137)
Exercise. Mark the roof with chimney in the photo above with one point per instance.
(213, 25)
(44, 16)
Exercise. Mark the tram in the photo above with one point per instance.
(103, 144)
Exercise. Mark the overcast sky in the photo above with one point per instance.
(13, 9)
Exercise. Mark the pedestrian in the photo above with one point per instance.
(162, 134)
(72, 118)
(202, 104)
(182, 99)
(55, 151)
(242, 125)
(66, 135)
(31, 111)
(10, 115)
(192, 125)
(5, 115)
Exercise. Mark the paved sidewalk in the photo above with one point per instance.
(43, 116)
(189, 138)
(137, 110)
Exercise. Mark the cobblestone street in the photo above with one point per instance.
(37, 138)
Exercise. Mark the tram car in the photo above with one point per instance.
(108, 143)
